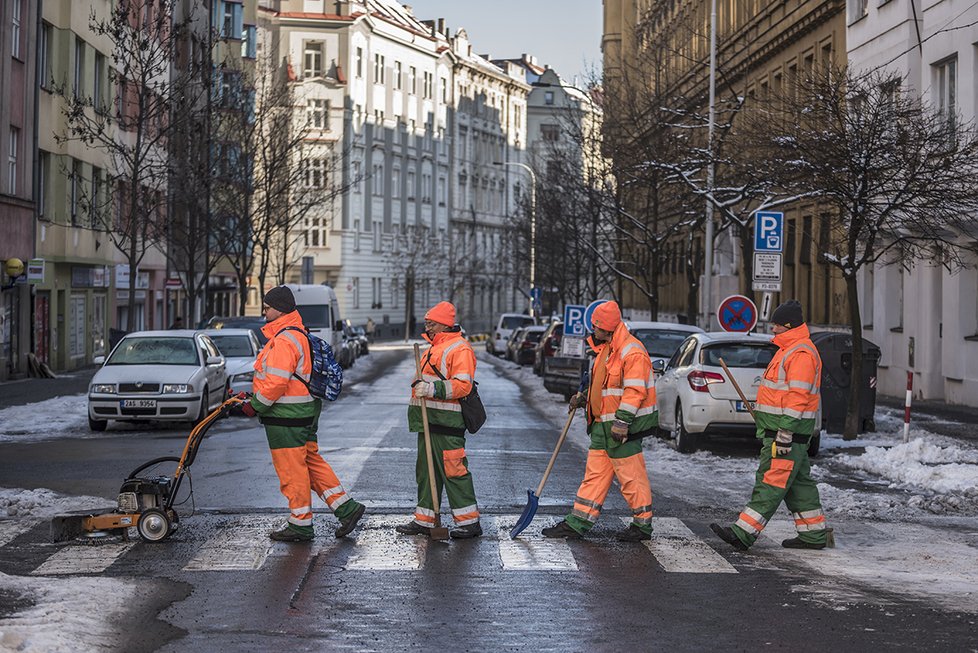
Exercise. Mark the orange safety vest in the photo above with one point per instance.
(276, 391)
(452, 356)
(622, 385)
(789, 394)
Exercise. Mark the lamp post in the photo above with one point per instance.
(533, 225)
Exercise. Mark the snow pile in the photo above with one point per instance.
(60, 616)
(44, 503)
(61, 416)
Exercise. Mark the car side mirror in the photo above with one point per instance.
(98, 360)
(215, 360)
(658, 366)
(338, 326)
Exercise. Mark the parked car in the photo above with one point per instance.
(662, 339)
(158, 375)
(251, 322)
(240, 349)
(695, 397)
(524, 349)
(549, 345)
(510, 351)
(362, 339)
(505, 325)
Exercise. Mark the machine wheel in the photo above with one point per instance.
(153, 525)
(686, 442)
(814, 443)
(97, 424)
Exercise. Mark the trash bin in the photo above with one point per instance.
(835, 349)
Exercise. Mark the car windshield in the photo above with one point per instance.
(154, 351)
(660, 343)
(234, 346)
(314, 316)
(516, 321)
(738, 354)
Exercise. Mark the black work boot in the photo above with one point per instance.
(347, 525)
(726, 534)
(467, 531)
(563, 529)
(633, 534)
(289, 534)
(798, 543)
(413, 528)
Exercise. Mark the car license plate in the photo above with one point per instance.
(742, 407)
(137, 403)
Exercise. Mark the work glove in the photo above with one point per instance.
(424, 389)
(578, 400)
(619, 430)
(782, 444)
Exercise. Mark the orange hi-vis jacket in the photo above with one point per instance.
(276, 392)
(452, 355)
(622, 387)
(789, 394)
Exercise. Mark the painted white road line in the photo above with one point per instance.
(378, 547)
(240, 545)
(532, 551)
(11, 528)
(83, 559)
(679, 550)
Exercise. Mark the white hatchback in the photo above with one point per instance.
(240, 348)
(694, 396)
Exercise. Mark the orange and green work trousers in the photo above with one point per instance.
(451, 474)
(302, 470)
(783, 478)
(627, 463)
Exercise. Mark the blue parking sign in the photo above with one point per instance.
(574, 321)
(768, 231)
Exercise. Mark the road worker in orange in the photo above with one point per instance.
(621, 410)
(447, 374)
(290, 416)
(787, 407)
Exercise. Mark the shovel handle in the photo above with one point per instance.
(553, 456)
(435, 499)
(739, 391)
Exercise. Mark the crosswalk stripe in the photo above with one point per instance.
(679, 550)
(83, 559)
(9, 530)
(240, 545)
(531, 551)
(378, 547)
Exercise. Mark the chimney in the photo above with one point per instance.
(441, 25)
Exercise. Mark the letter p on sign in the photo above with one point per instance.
(768, 229)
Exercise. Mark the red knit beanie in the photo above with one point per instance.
(442, 313)
(606, 316)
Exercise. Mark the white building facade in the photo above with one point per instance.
(925, 320)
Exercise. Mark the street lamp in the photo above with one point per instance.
(533, 225)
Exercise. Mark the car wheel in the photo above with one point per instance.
(814, 444)
(97, 424)
(202, 413)
(686, 442)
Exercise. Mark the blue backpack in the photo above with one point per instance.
(326, 379)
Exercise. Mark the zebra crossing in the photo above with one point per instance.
(240, 543)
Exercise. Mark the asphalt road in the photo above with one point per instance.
(219, 584)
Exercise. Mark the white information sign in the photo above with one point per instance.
(767, 266)
(572, 347)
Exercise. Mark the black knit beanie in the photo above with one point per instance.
(788, 314)
(281, 299)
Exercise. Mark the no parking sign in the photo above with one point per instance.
(737, 314)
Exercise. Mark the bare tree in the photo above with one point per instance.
(415, 257)
(898, 175)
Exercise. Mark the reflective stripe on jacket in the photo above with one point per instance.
(628, 387)
(452, 356)
(789, 394)
(276, 393)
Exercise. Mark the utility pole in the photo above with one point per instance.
(710, 173)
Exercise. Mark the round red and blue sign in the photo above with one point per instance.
(737, 314)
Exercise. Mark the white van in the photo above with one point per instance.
(320, 311)
(505, 326)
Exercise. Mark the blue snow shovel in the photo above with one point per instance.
(533, 498)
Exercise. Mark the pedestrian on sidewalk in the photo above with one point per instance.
(371, 327)
(447, 375)
(177, 323)
(787, 406)
(290, 416)
(621, 410)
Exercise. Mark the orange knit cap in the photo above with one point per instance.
(442, 313)
(606, 316)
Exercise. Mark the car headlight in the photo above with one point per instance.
(244, 376)
(177, 388)
(103, 388)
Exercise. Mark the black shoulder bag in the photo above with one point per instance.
(473, 412)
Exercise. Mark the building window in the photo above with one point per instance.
(413, 80)
(94, 202)
(356, 235)
(396, 182)
(550, 133)
(12, 161)
(314, 175)
(378, 238)
(44, 54)
(317, 114)
(858, 9)
(232, 26)
(356, 177)
(398, 76)
(444, 90)
(410, 184)
(548, 97)
(359, 62)
(312, 60)
(75, 181)
(98, 91)
(249, 46)
(380, 70)
(429, 81)
(356, 292)
(947, 89)
(378, 290)
(15, 29)
(426, 188)
(79, 68)
(377, 180)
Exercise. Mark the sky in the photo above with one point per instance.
(565, 34)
